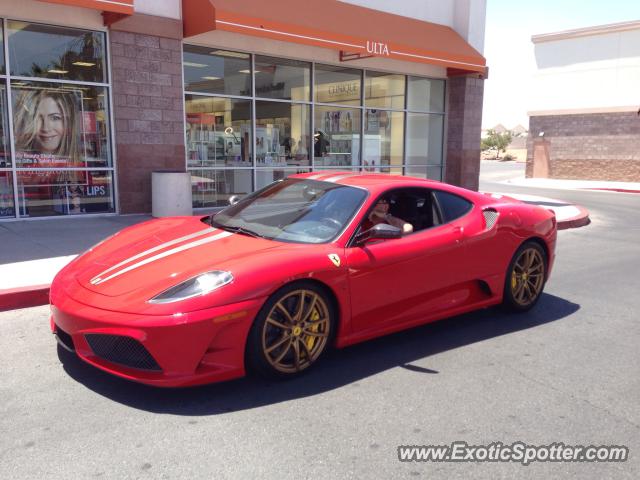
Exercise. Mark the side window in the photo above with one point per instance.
(406, 205)
(451, 206)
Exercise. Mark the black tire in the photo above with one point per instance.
(525, 278)
(285, 340)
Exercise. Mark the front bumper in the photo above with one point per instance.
(181, 349)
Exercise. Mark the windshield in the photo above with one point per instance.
(294, 210)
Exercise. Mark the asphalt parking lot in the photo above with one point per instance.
(568, 371)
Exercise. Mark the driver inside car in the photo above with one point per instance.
(380, 214)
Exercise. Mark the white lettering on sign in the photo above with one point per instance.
(377, 48)
(96, 190)
(343, 89)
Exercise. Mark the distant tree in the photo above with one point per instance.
(496, 141)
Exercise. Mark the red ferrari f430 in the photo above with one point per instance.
(314, 261)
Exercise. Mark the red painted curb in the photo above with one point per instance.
(579, 220)
(23, 297)
(619, 190)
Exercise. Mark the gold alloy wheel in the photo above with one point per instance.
(527, 277)
(296, 331)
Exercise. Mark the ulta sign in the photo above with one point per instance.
(377, 48)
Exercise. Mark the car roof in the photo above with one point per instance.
(363, 179)
(376, 183)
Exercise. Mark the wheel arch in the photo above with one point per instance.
(540, 241)
(509, 301)
(331, 296)
(254, 361)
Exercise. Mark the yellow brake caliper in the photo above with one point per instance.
(315, 316)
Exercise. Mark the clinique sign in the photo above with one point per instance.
(339, 89)
(377, 48)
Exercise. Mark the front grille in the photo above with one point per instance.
(125, 351)
(490, 217)
(64, 339)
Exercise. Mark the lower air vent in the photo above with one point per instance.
(125, 351)
(490, 217)
(64, 339)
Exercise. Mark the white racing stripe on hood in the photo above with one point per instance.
(98, 277)
(173, 251)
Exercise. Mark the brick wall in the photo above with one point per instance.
(464, 98)
(148, 107)
(597, 146)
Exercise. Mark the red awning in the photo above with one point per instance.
(357, 32)
(112, 6)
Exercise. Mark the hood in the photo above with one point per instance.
(159, 254)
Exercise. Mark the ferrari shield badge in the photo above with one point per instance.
(335, 259)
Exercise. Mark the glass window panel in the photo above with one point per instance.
(7, 208)
(337, 136)
(383, 139)
(214, 70)
(431, 172)
(434, 173)
(282, 134)
(384, 90)
(2, 68)
(213, 188)
(420, 171)
(338, 85)
(283, 79)
(425, 95)
(64, 53)
(424, 139)
(265, 176)
(5, 153)
(60, 126)
(63, 192)
(218, 132)
(342, 169)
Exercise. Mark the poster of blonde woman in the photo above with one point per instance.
(48, 127)
(48, 134)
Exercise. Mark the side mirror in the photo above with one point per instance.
(233, 199)
(382, 231)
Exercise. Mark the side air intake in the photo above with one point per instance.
(490, 217)
(125, 351)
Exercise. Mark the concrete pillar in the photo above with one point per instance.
(464, 125)
(148, 104)
(541, 164)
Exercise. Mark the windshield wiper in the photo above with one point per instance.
(236, 229)
(240, 230)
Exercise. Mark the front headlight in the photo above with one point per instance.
(194, 287)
